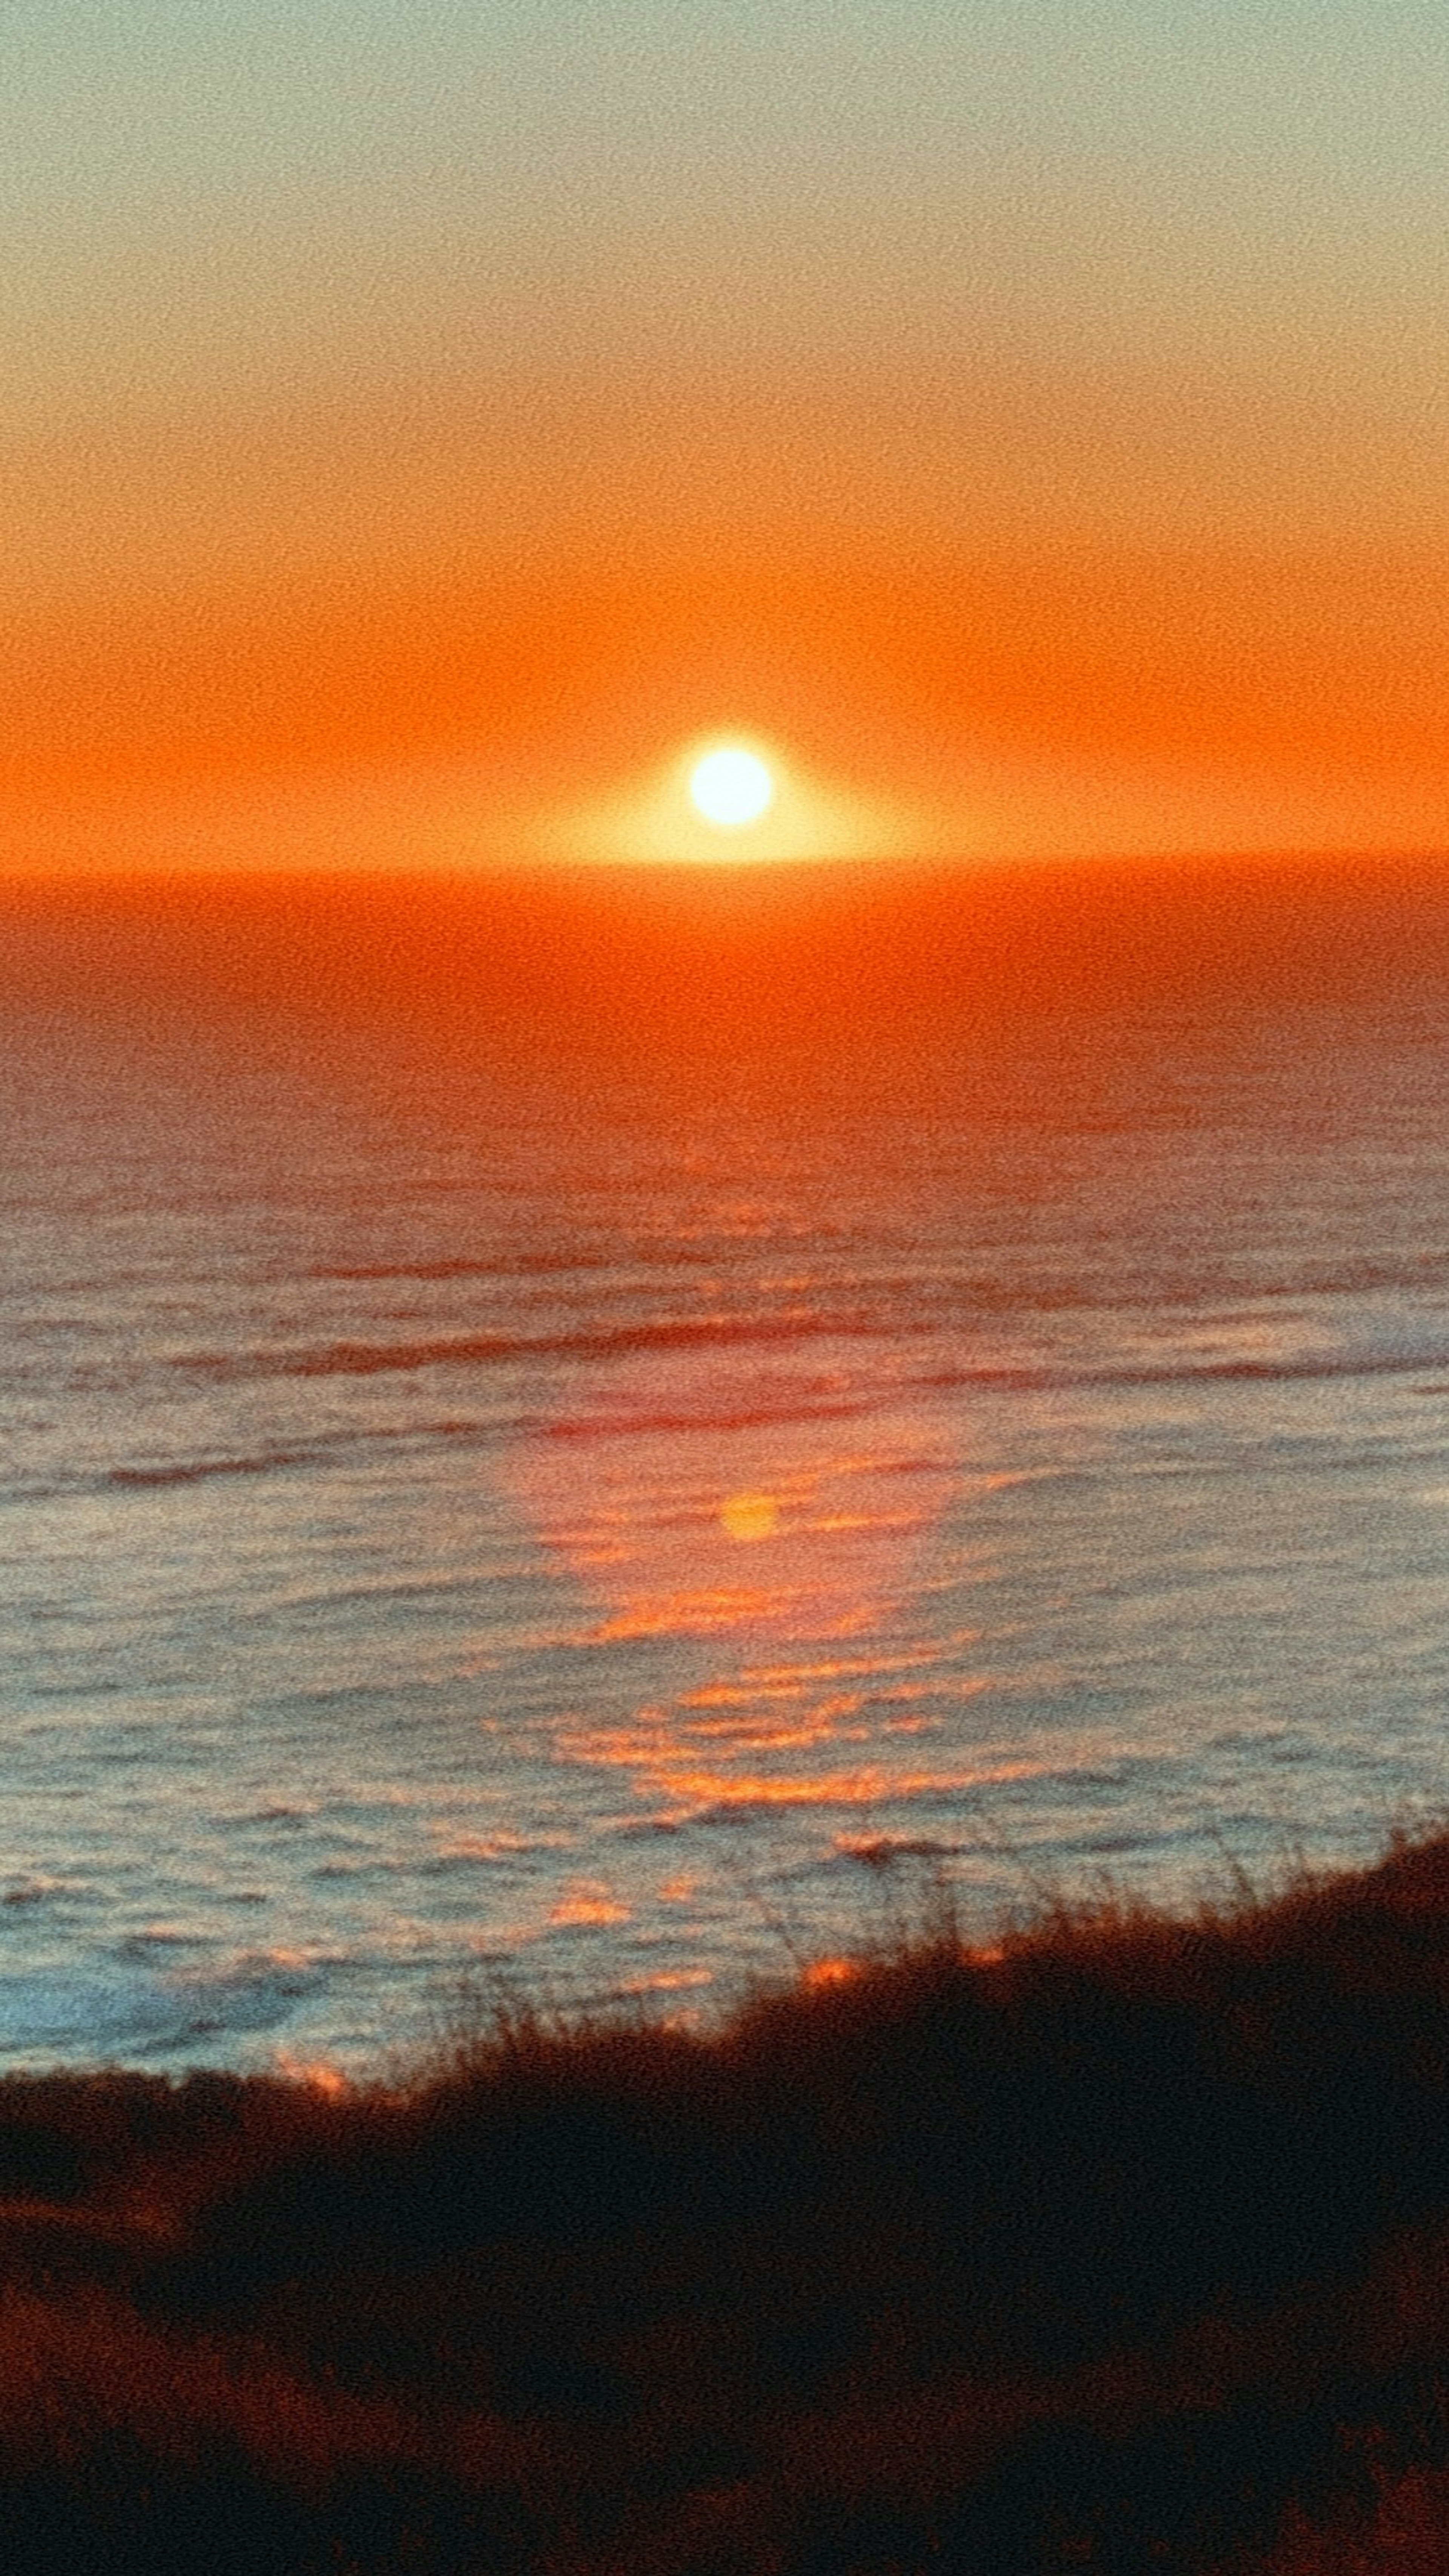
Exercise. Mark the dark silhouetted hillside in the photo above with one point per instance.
(1124, 2246)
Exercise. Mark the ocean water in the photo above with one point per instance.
(610, 1484)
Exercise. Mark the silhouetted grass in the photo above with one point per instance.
(1123, 2246)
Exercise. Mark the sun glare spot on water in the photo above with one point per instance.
(831, 1972)
(731, 787)
(317, 2073)
(750, 1516)
(586, 1905)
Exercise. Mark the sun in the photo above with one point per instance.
(730, 798)
(731, 787)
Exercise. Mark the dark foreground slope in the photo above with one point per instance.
(1126, 2247)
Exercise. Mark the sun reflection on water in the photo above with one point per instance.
(774, 1534)
(746, 1517)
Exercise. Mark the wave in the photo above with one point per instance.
(499, 1265)
(745, 1417)
(735, 1333)
(1252, 1372)
(462, 1350)
(882, 1851)
(198, 1471)
(148, 2012)
(663, 1253)
(321, 1451)
(1189, 1371)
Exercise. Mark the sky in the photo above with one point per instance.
(1028, 420)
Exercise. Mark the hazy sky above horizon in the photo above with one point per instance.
(418, 422)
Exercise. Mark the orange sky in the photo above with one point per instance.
(421, 431)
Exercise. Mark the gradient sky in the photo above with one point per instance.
(1029, 415)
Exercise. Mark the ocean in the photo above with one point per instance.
(589, 1444)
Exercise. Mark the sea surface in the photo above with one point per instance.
(596, 1455)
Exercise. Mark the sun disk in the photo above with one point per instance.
(731, 787)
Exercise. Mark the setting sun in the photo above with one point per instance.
(731, 787)
(723, 798)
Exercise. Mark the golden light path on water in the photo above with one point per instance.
(777, 1543)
